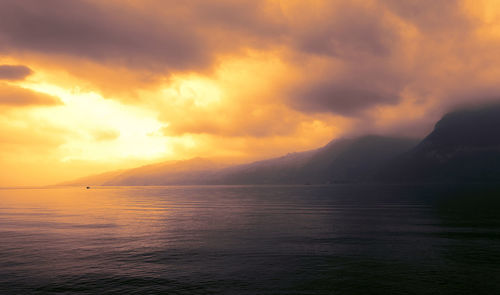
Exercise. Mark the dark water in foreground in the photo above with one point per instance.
(249, 240)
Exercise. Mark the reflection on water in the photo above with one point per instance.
(249, 240)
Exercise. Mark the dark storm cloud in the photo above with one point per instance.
(346, 30)
(373, 55)
(348, 89)
(340, 98)
(14, 72)
(161, 36)
(14, 96)
(431, 16)
(103, 33)
(244, 16)
(358, 46)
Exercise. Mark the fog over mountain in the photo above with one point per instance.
(464, 146)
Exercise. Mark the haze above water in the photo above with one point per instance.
(368, 239)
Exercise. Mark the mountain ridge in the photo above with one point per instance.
(463, 146)
(294, 168)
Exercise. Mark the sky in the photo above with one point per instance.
(94, 86)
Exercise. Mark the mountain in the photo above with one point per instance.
(97, 179)
(282, 170)
(355, 160)
(190, 171)
(464, 146)
(344, 160)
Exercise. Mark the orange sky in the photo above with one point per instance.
(93, 86)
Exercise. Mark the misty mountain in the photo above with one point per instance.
(344, 160)
(355, 160)
(464, 146)
(191, 171)
(283, 170)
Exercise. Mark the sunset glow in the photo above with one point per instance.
(93, 86)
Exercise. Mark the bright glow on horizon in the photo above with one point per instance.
(107, 129)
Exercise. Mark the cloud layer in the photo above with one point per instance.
(14, 72)
(18, 97)
(356, 55)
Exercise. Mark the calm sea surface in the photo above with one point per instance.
(343, 239)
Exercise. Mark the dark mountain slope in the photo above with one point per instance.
(464, 146)
(282, 170)
(356, 159)
(339, 161)
(343, 160)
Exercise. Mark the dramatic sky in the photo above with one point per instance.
(92, 86)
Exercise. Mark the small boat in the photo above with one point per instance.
(88, 187)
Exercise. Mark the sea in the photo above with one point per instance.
(307, 239)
